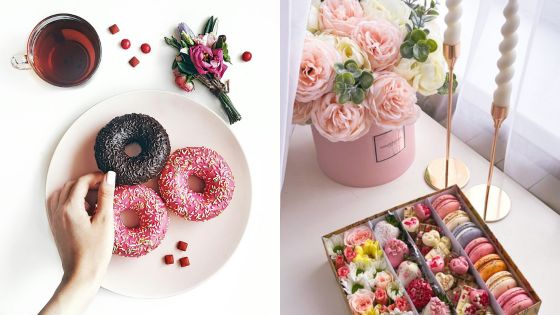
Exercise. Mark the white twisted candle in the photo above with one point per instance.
(507, 48)
(452, 35)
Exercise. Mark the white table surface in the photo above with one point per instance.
(34, 115)
(313, 205)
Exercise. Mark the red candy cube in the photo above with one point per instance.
(182, 245)
(168, 259)
(134, 61)
(114, 29)
(184, 261)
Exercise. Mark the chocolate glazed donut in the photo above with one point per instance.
(144, 130)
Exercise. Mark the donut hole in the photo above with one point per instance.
(133, 149)
(130, 219)
(196, 184)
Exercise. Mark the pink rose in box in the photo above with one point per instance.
(381, 41)
(361, 301)
(358, 235)
(340, 17)
(316, 76)
(392, 101)
(340, 122)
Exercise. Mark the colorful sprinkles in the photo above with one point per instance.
(209, 166)
(152, 217)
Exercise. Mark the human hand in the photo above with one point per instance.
(84, 243)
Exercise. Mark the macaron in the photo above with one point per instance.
(478, 248)
(455, 218)
(500, 282)
(514, 300)
(489, 265)
(465, 232)
(445, 204)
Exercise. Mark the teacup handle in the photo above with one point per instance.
(20, 62)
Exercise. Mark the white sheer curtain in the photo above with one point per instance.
(293, 27)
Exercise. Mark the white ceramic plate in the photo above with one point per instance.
(211, 243)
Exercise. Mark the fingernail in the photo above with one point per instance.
(110, 178)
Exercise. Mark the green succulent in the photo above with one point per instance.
(351, 82)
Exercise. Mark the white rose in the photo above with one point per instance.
(395, 11)
(349, 49)
(425, 77)
(313, 19)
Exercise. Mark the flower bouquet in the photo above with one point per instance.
(371, 287)
(202, 57)
(362, 64)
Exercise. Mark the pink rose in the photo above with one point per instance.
(207, 60)
(339, 261)
(340, 122)
(392, 101)
(349, 253)
(402, 304)
(381, 296)
(343, 272)
(361, 301)
(381, 41)
(302, 113)
(316, 70)
(358, 235)
(382, 279)
(340, 17)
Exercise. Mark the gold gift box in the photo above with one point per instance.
(512, 267)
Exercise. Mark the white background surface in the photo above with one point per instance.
(34, 115)
(313, 205)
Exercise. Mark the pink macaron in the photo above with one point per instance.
(445, 204)
(500, 282)
(514, 301)
(478, 248)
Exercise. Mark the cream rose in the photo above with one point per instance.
(358, 235)
(395, 11)
(425, 77)
(316, 76)
(340, 122)
(340, 17)
(349, 49)
(361, 301)
(313, 19)
(381, 41)
(392, 100)
(302, 113)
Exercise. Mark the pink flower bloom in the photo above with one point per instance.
(340, 17)
(349, 254)
(361, 301)
(343, 272)
(382, 279)
(316, 76)
(381, 41)
(392, 101)
(358, 235)
(381, 296)
(182, 82)
(207, 60)
(302, 113)
(402, 304)
(339, 261)
(340, 122)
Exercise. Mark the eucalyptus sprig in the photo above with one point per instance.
(351, 82)
(416, 44)
(444, 89)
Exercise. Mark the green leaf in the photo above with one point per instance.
(225, 50)
(344, 97)
(351, 65)
(172, 42)
(184, 44)
(208, 25)
(356, 287)
(348, 78)
(339, 68)
(186, 69)
(432, 45)
(338, 249)
(417, 35)
(407, 49)
(339, 87)
(366, 80)
(420, 52)
(444, 89)
(174, 65)
(359, 271)
(358, 96)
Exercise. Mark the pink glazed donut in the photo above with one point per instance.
(205, 164)
(152, 217)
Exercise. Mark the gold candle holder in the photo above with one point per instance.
(491, 202)
(444, 172)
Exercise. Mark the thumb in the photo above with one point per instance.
(105, 195)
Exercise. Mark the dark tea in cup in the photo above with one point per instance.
(63, 49)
